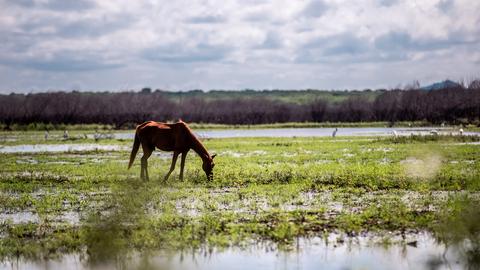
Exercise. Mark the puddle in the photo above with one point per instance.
(466, 143)
(323, 161)
(61, 162)
(20, 217)
(79, 161)
(27, 161)
(72, 218)
(40, 176)
(231, 154)
(160, 155)
(39, 148)
(243, 154)
(385, 161)
(417, 251)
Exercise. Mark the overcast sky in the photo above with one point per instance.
(50, 45)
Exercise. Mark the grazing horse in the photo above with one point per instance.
(176, 137)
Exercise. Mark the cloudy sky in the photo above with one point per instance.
(50, 45)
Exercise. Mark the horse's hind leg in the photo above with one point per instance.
(147, 151)
(172, 167)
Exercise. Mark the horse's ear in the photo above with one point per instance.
(214, 155)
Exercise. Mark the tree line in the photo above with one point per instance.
(460, 104)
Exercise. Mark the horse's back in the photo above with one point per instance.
(149, 130)
(150, 124)
(165, 136)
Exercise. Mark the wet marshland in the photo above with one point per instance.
(295, 202)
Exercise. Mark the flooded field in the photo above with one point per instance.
(349, 202)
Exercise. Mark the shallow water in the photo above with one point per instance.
(39, 148)
(69, 217)
(235, 133)
(310, 132)
(315, 254)
(19, 217)
(418, 251)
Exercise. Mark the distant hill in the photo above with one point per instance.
(441, 85)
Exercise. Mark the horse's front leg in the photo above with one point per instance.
(172, 167)
(182, 164)
(144, 165)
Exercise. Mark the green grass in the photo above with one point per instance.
(289, 96)
(264, 190)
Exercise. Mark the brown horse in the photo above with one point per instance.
(176, 137)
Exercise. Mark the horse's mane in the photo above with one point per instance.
(198, 145)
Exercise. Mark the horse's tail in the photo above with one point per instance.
(136, 145)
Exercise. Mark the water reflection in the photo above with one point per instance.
(316, 253)
(459, 228)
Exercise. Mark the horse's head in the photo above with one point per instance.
(207, 166)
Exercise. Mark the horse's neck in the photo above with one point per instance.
(198, 147)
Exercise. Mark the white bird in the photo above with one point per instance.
(395, 134)
(434, 132)
(460, 131)
(334, 132)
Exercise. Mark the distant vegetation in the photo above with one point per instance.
(457, 104)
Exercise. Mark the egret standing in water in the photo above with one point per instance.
(460, 131)
(334, 132)
(395, 134)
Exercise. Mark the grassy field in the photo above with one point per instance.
(264, 190)
(290, 96)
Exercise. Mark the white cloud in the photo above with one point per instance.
(235, 44)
